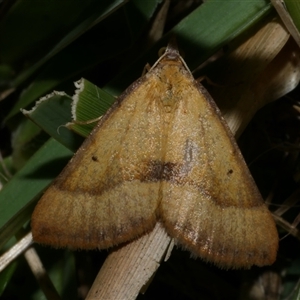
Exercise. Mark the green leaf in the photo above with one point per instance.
(51, 113)
(90, 102)
(200, 35)
(6, 275)
(18, 197)
(100, 43)
(293, 8)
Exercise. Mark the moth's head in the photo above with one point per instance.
(170, 52)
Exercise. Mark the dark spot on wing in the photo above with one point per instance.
(94, 158)
(229, 172)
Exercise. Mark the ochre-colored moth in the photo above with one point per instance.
(162, 153)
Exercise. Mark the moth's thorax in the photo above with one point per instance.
(171, 77)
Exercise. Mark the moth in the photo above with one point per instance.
(161, 153)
